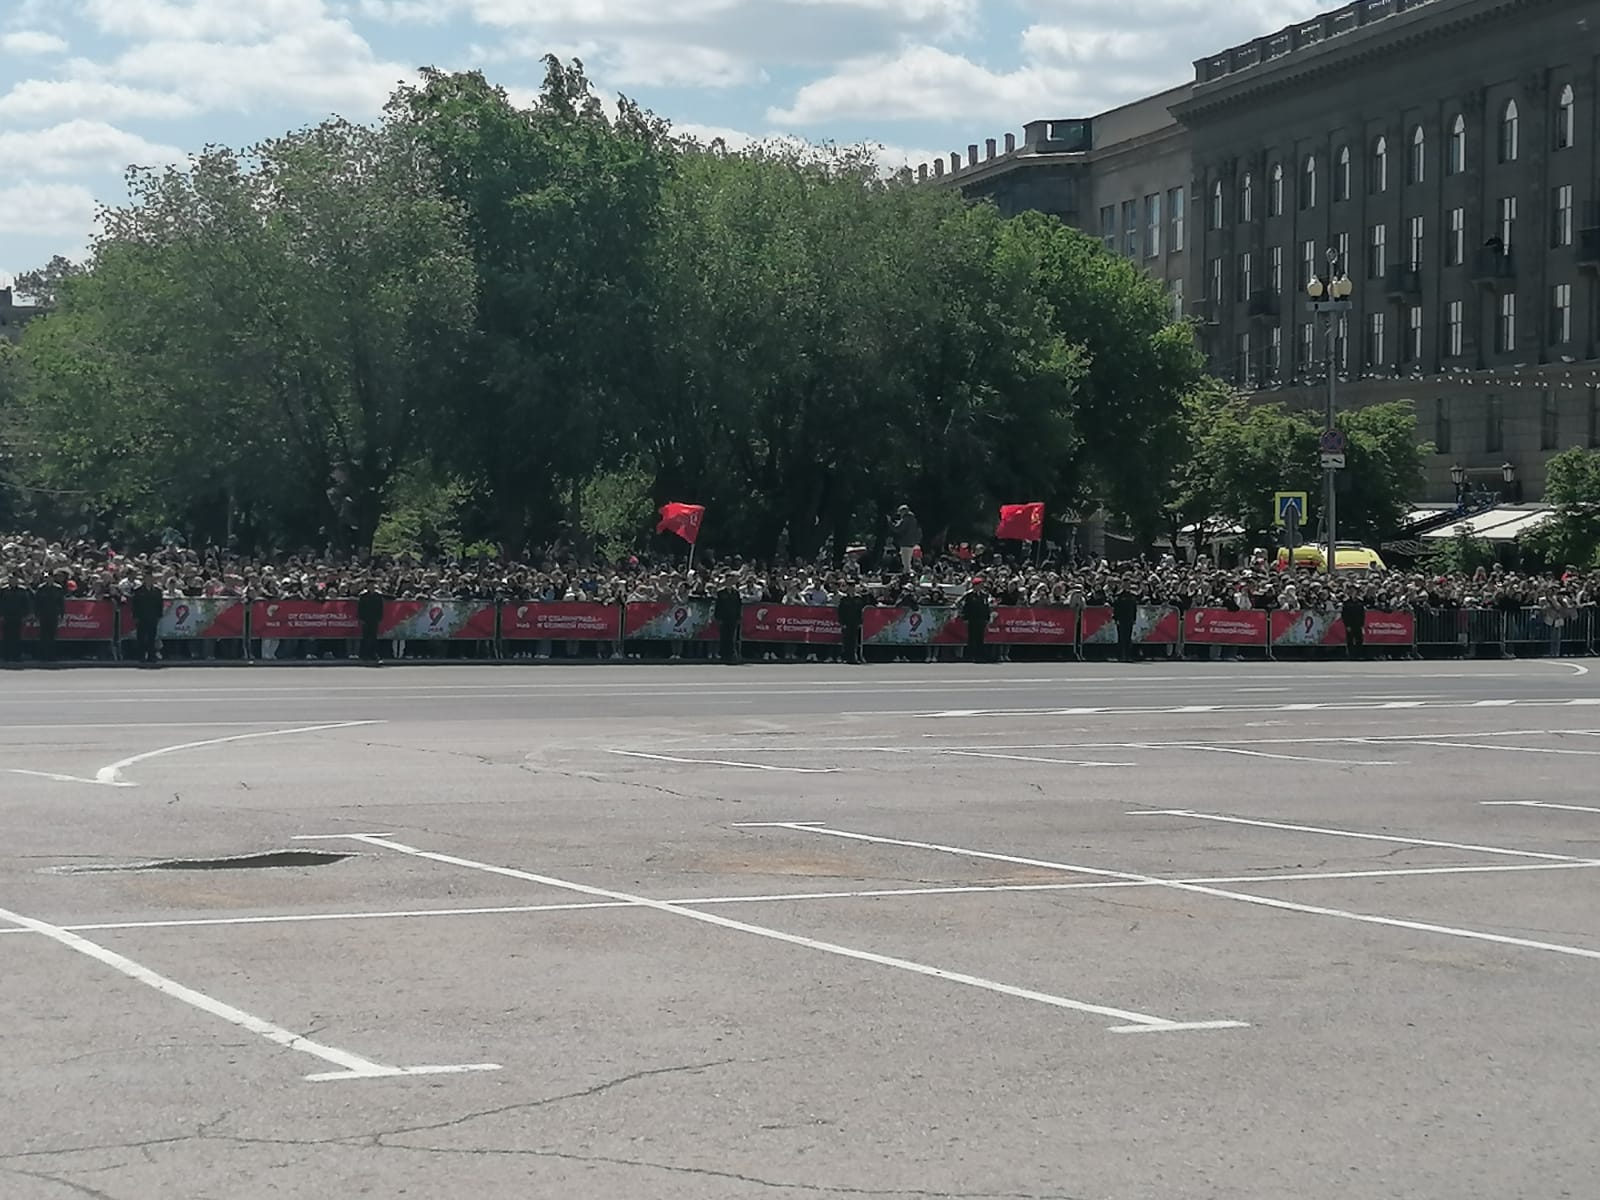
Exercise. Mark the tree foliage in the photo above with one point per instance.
(1572, 536)
(1243, 453)
(477, 320)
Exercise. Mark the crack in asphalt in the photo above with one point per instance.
(376, 1139)
(81, 1189)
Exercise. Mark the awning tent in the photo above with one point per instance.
(1503, 524)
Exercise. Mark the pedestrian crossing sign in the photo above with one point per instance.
(1284, 503)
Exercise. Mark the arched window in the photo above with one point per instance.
(1275, 192)
(1341, 178)
(1308, 183)
(1378, 175)
(1455, 160)
(1417, 163)
(1247, 208)
(1564, 118)
(1508, 132)
(1216, 205)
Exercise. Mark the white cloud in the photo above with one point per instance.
(1081, 57)
(80, 146)
(55, 210)
(200, 19)
(53, 98)
(32, 42)
(890, 158)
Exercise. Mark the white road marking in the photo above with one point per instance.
(1493, 703)
(1130, 1019)
(1060, 762)
(1179, 709)
(976, 889)
(353, 1066)
(723, 762)
(1503, 749)
(1241, 897)
(1336, 762)
(1537, 804)
(1351, 833)
(112, 775)
(1575, 668)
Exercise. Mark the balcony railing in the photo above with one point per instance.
(1493, 265)
(1403, 281)
(1265, 305)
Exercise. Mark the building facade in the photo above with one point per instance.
(1445, 155)
(1122, 176)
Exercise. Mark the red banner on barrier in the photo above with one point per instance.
(1032, 627)
(1307, 629)
(561, 622)
(1327, 629)
(1219, 627)
(802, 624)
(913, 627)
(1390, 629)
(304, 619)
(1154, 626)
(437, 620)
(81, 621)
(688, 621)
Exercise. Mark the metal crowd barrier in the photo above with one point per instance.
(231, 630)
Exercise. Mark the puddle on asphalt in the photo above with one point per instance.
(268, 861)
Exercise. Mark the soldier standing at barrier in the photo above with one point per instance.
(148, 605)
(1125, 612)
(976, 611)
(852, 607)
(728, 608)
(369, 611)
(1353, 612)
(49, 603)
(14, 602)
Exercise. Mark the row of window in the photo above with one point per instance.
(1377, 350)
(1494, 424)
(1142, 228)
(1377, 261)
(1455, 162)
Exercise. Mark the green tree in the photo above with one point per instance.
(1245, 452)
(1571, 537)
(560, 206)
(262, 329)
(1129, 413)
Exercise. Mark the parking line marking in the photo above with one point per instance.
(1337, 762)
(1506, 749)
(1218, 893)
(724, 762)
(793, 897)
(1060, 762)
(353, 1066)
(1537, 804)
(778, 935)
(1352, 833)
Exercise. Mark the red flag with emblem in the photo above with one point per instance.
(682, 519)
(1021, 522)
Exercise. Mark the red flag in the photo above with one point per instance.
(683, 520)
(1021, 522)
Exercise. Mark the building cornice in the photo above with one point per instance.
(1383, 39)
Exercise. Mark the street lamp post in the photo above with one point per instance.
(1330, 299)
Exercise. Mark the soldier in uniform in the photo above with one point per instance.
(14, 603)
(49, 604)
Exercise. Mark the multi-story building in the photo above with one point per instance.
(1445, 155)
(1123, 176)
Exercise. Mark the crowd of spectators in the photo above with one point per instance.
(86, 570)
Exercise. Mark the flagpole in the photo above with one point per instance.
(691, 557)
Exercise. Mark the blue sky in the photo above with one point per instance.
(88, 86)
